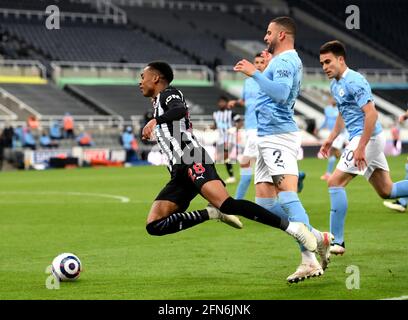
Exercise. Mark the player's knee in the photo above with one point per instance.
(244, 165)
(384, 193)
(332, 182)
(153, 228)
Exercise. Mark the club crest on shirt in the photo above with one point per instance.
(341, 92)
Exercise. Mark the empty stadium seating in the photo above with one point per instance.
(127, 101)
(47, 99)
(86, 41)
(373, 13)
(179, 28)
(41, 5)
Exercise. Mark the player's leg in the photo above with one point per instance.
(248, 158)
(301, 178)
(166, 217)
(265, 192)
(168, 212)
(245, 172)
(400, 204)
(309, 267)
(338, 208)
(277, 164)
(227, 161)
(378, 174)
(386, 189)
(217, 195)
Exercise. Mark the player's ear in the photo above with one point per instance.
(156, 78)
(282, 35)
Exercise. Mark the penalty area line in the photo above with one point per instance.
(122, 199)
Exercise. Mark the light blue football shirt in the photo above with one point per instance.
(351, 93)
(249, 94)
(330, 116)
(275, 116)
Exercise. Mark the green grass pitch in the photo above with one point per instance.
(44, 213)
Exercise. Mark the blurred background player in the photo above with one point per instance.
(223, 122)
(399, 205)
(330, 115)
(279, 139)
(249, 94)
(364, 155)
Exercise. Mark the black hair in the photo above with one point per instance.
(288, 23)
(223, 97)
(164, 69)
(336, 47)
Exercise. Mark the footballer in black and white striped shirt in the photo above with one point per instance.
(191, 174)
(223, 122)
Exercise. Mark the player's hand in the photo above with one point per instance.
(148, 129)
(325, 149)
(359, 158)
(245, 67)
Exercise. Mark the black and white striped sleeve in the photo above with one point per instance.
(174, 106)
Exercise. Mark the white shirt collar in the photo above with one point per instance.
(345, 72)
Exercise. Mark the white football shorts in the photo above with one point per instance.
(375, 156)
(277, 156)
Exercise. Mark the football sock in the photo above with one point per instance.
(229, 169)
(254, 212)
(245, 180)
(338, 210)
(176, 222)
(404, 201)
(291, 204)
(330, 164)
(272, 205)
(289, 200)
(399, 189)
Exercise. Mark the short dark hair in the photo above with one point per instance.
(258, 55)
(163, 68)
(223, 97)
(336, 47)
(288, 23)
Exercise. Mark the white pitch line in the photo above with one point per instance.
(103, 195)
(396, 298)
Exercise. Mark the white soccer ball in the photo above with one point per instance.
(66, 267)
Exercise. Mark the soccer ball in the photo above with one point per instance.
(66, 267)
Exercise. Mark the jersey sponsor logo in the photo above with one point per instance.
(283, 73)
(171, 97)
(360, 93)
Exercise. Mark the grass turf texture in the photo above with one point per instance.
(39, 220)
